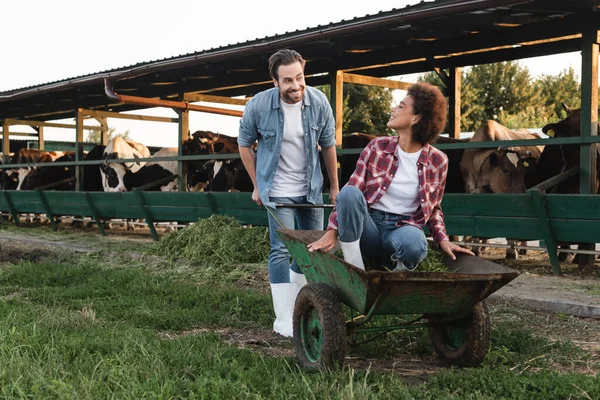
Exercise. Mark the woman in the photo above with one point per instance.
(396, 189)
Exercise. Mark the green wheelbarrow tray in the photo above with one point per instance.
(389, 293)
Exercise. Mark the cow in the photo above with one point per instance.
(227, 176)
(13, 178)
(215, 175)
(496, 170)
(92, 178)
(556, 159)
(559, 158)
(112, 174)
(153, 171)
(40, 176)
(486, 170)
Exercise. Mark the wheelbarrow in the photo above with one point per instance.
(450, 304)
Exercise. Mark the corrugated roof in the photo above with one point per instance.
(416, 38)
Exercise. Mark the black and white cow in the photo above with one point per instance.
(153, 171)
(113, 174)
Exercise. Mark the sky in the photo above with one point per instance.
(59, 39)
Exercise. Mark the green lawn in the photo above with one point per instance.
(109, 325)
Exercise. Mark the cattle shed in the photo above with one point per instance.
(441, 35)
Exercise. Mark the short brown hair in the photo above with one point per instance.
(284, 57)
(431, 105)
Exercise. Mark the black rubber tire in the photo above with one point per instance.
(326, 347)
(474, 328)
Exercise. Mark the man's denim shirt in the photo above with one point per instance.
(263, 121)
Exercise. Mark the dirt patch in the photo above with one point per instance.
(414, 369)
(14, 254)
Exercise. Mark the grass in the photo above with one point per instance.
(87, 326)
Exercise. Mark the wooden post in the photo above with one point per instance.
(182, 135)
(40, 131)
(339, 106)
(589, 121)
(5, 142)
(79, 149)
(104, 132)
(454, 106)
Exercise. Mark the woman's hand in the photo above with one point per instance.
(451, 248)
(326, 243)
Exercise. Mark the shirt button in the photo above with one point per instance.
(422, 200)
(420, 172)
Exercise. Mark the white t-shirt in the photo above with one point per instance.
(291, 179)
(402, 195)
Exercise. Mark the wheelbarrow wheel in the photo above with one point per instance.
(319, 328)
(463, 342)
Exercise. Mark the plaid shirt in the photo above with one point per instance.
(377, 164)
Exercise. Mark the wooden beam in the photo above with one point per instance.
(589, 110)
(104, 133)
(454, 103)
(79, 149)
(589, 122)
(32, 134)
(5, 142)
(215, 99)
(182, 135)
(40, 130)
(110, 114)
(11, 121)
(339, 106)
(371, 81)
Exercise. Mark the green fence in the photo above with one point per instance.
(530, 216)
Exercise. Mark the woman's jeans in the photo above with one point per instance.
(305, 219)
(379, 236)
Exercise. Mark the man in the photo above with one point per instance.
(289, 122)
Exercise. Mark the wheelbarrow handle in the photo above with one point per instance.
(303, 205)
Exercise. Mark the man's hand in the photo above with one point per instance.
(256, 197)
(326, 243)
(333, 192)
(451, 248)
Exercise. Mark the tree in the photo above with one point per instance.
(366, 108)
(94, 136)
(470, 109)
(506, 93)
(560, 88)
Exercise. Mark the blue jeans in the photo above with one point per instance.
(305, 218)
(379, 236)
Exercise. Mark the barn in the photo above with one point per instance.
(441, 35)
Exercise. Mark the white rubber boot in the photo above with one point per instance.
(298, 279)
(284, 297)
(352, 254)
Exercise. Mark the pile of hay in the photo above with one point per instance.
(431, 263)
(216, 241)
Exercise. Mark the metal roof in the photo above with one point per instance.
(417, 38)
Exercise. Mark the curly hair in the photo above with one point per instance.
(283, 57)
(431, 105)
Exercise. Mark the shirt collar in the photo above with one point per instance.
(423, 158)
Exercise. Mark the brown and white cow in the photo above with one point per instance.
(113, 174)
(497, 170)
(490, 170)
